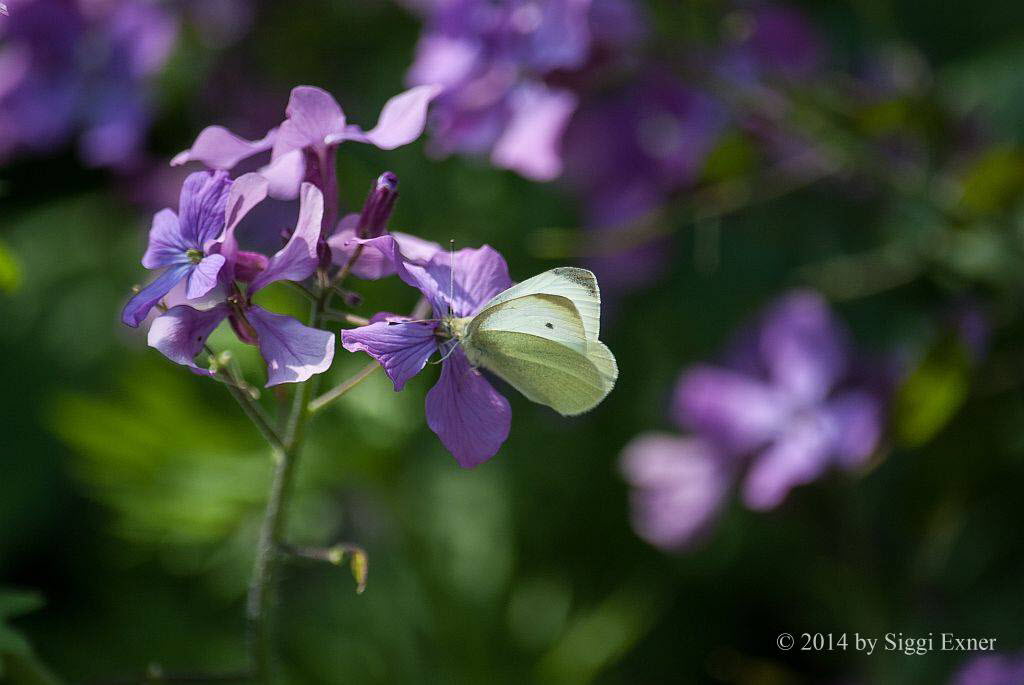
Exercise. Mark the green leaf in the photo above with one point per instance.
(932, 393)
(994, 181)
(10, 270)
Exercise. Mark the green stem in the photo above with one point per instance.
(260, 601)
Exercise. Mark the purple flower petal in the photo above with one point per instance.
(679, 487)
(166, 245)
(479, 275)
(858, 420)
(203, 276)
(469, 416)
(800, 455)
(219, 148)
(372, 264)
(803, 346)
(181, 332)
(730, 409)
(991, 669)
(402, 348)
(401, 120)
(246, 192)
(313, 115)
(531, 142)
(285, 174)
(201, 210)
(297, 259)
(293, 352)
(139, 306)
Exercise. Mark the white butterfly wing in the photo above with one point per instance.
(538, 344)
(577, 285)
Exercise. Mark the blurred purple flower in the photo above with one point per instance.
(789, 403)
(679, 487)
(293, 352)
(770, 40)
(498, 61)
(789, 400)
(314, 126)
(469, 416)
(991, 669)
(68, 67)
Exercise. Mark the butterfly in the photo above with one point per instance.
(541, 337)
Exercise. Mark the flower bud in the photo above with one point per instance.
(373, 221)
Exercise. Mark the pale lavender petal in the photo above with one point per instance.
(803, 346)
(182, 331)
(858, 420)
(313, 116)
(293, 352)
(219, 148)
(800, 455)
(139, 306)
(728, 408)
(469, 416)
(443, 59)
(372, 264)
(531, 142)
(203, 276)
(201, 209)
(285, 174)
(298, 258)
(246, 192)
(679, 487)
(401, 121)
(401, 347)
(166, 244)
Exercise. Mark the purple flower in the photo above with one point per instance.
(293, 352)
(469, 416)
(679, 487)
(788, 401)
(497, 62)
(314, 126)
(772, 40)
(788, 404)
(69, 67)
(991, 669)
(181, 244)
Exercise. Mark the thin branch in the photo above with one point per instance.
(343, 387)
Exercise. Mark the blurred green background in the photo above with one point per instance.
(131, 490)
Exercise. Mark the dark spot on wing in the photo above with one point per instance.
(550, 325)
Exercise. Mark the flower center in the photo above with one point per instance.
(194, 256)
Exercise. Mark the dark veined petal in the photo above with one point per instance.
(471, 418)
(293, 352)
(181, 332)
(203, 276)
(139, 306)
(166, 244)
(401, 347)
(201, 209)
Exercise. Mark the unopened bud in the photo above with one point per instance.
(373, 221)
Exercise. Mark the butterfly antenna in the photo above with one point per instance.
(451, 274)
(451, 348)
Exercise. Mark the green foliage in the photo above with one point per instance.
(933, 393)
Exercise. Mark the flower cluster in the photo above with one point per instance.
(510, 71)
(74, 66)
(206, 277)
(199, 248)
(789, 403)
